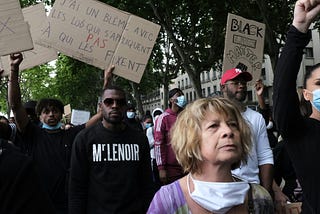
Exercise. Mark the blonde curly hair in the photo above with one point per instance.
(186, 132)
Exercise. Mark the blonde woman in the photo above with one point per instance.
(210, 138)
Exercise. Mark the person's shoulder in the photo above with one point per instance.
(173, 192)
(262, 200)
(252, 114)
(259, 192)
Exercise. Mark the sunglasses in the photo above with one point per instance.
(237, 83)
(110, 102)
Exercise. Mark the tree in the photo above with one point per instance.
(77, 83)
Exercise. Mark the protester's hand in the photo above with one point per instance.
(163, 176)
(108, 76)
(305, 12)
(280, 200)
(259, 87)
(16, 59)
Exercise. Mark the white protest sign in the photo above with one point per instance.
(35, 16)
(79, 117)
(100, 35)
(14, 31)
(244, 44)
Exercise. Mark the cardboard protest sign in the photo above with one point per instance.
(244, 45)
(14, 31)
(100, 35)
(79, 117)
(35, 16)
(67, 110)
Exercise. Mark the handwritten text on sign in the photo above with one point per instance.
(34, 15)
(99, 34)
(14, 31)
(244, 44)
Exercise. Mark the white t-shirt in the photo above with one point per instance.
(261, 152)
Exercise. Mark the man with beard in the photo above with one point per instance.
(259, 168)
(110, 163)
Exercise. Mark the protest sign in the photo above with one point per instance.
(244, 45)
(14, 31)
(67, 110)
(35, 16)
(79, 117)
(100, 35)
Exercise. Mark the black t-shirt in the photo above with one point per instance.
(51, 152)
(20, 188)
(110, 172)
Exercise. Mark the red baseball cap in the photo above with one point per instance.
(233, 73)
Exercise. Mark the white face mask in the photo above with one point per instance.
(218, 197)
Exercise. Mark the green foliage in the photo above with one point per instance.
(77, 83)
(36, 83)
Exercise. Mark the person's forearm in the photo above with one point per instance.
(261, 102)
(94, 119)
(14, 94)
(14, 97)
(266, 176)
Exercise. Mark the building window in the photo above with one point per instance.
(208, 75)
(179, 84)
(263, 73)
(309, 52)
(209, 91)
(190, 96)
(187, 97)
(214, 89)
(214, 75)
(203, 92)
(182, 84)
(186, 80)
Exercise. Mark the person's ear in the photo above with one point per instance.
(307, 95)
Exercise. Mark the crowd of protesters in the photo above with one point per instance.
(214, 155)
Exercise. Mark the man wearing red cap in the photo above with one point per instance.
(259, 168)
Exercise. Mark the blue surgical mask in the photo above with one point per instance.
(316, 99)
(46, 126)
(181, 101)
(131, 114)
(148, 125)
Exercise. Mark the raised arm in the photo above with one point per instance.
(108, 76)
(285, 98)
(14, 94)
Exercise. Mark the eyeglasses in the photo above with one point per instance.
(237, 83)
(110, 102)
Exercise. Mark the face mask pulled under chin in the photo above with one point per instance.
(218, 197)
(46, 126)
